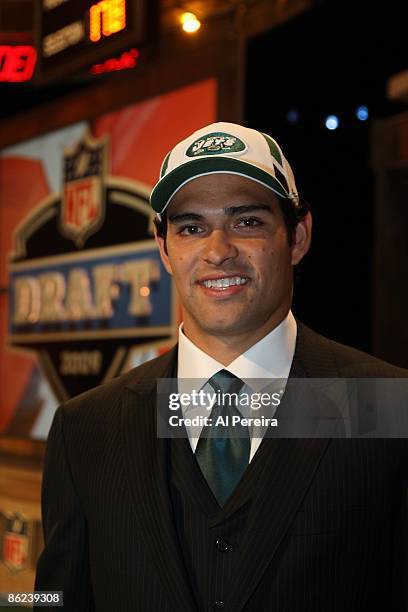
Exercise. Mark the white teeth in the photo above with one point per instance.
(223, 283)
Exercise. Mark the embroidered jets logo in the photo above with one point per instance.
(216, 143)
(83, 202)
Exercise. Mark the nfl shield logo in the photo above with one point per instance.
(16, 542)
(83, 194)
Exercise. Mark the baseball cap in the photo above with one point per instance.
(224, 147)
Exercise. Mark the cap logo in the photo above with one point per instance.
(216, 143)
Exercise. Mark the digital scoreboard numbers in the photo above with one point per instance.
(75, 34)
(17, 63)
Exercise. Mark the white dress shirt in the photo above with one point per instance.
(270, 357)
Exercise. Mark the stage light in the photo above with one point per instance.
(190, 23)
(292, 116)
(362, 113)
(332, 122)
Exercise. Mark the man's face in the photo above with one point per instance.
(228, 252)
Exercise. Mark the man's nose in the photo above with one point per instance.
(219, 247)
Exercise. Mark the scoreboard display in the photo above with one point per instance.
(74, 34)
(17, 63)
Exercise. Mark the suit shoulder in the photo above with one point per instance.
(349, 361)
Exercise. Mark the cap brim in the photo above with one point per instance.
(168, 186)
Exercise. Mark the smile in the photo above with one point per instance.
(224, 283)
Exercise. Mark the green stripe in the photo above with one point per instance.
(166, 187)
(165, 164)
(273, 149)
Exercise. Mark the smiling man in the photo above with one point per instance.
(231, 257)
(247, 520)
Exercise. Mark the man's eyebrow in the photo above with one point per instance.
(247, 208)
(187, 216)
(230, 210)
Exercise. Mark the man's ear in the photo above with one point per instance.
(163, 251)
(302, 239)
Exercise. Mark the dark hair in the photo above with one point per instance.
(292, 215)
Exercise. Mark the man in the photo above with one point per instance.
(137, 522)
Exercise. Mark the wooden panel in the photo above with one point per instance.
(16, 15)
(390, 303)
(20, 488)
(390, 143)
(21, 449)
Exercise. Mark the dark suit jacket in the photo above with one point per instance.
(330, 530)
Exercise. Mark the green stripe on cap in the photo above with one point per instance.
(170, 183)
(165, 164)
(276, 154)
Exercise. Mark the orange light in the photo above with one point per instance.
(106, 17)
(144, 291)
(190, 23)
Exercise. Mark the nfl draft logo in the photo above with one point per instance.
(88, 291)
(83, 194)
(16, 541)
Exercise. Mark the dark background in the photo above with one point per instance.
(330, 60)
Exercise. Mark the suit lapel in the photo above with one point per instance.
(288, 472)
(147, 463)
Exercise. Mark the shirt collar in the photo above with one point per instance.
(270, 357)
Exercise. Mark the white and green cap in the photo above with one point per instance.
(224, 147)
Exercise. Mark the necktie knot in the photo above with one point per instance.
(226, 382)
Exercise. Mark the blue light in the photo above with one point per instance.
(332, 122)
(362, 113)
(292, 116)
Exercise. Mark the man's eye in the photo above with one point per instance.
(249, 222)
(190, 230)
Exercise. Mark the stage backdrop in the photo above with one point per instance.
(83, 294)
